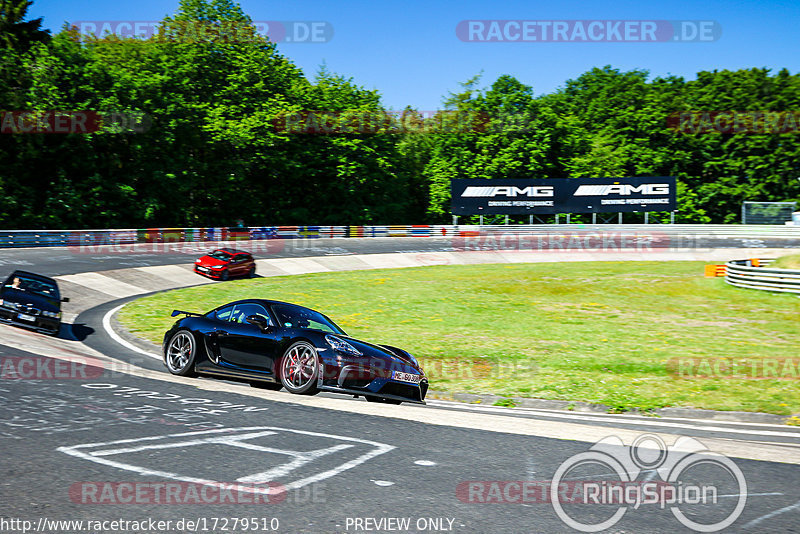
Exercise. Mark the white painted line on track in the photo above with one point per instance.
(92, 455)
(770, 515)
(113, 335)
(300, 459)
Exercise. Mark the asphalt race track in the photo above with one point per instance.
(97, 431)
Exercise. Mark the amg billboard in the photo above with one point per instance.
(562, 195)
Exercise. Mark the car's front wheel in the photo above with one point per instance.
(299, 368)
(224, 275)
(181, 352)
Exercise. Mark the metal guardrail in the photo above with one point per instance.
(67, 238)
(744, 274)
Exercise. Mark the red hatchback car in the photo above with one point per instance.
(225, 263)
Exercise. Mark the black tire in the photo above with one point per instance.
(272, 386)
(224, 275)
(181, 353)
(298, 369)
(252, 272)
(381, 400)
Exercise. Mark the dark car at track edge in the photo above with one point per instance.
(274, 345)
(31, 300)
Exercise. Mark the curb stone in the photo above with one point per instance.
(586, 407)
(133, 339)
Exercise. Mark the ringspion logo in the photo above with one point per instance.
(691, 476)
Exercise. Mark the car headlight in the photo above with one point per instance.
(340, 345)
(12, 305)
(218, 267)
(54, 315)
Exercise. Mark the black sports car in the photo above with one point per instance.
(274, 345)
(32, 300)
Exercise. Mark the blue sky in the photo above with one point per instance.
(409, 50)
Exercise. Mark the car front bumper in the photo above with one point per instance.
(210, 273)
(40, 323)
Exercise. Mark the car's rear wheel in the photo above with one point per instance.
(181, 352)
(252, 272)
(299, 368)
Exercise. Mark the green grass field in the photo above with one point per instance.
(791, 261)
(626, 334)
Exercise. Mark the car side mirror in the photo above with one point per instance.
(65, 299)
(258, 321)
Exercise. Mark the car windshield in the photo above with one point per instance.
(220, 255)
(297, 317)
(30, 285)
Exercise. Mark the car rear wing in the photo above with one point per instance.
(175, 313)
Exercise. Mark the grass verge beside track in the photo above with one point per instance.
(787, 262)
(629, 335)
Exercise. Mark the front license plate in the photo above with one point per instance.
(25, 317)
(406, 377)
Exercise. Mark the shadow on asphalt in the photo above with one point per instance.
(75, 332)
